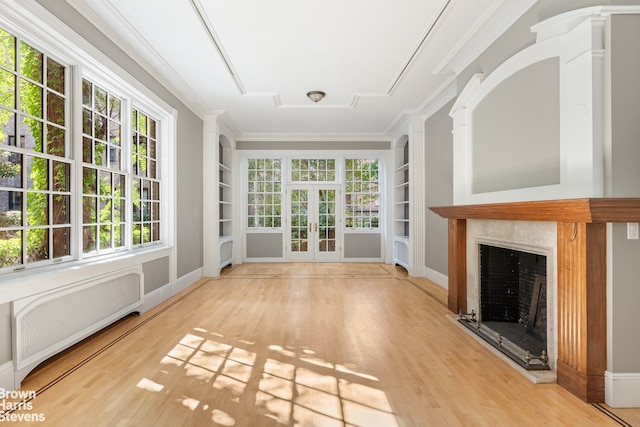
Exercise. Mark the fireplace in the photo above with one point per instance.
(513, 303)
(578, 275)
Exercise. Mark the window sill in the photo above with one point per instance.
(25, 283)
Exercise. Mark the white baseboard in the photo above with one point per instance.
(165, 292)
(437, 277)
(7, 376)
(187, 280)
(156, 297)
(622, 390)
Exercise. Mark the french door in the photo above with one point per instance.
(313, 228)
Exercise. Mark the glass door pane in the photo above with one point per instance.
(327, 220)
(299, 232)
(313, 223)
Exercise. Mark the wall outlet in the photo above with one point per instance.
(633, 230)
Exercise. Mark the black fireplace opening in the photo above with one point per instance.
(513, 296)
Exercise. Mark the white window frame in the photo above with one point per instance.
(39, 28)
(345, 193)
(286, 156)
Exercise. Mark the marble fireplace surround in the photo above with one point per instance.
(576, 271)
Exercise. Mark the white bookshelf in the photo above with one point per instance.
(225, 205)
(401, 206)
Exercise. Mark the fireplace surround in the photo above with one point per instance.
(579, 275)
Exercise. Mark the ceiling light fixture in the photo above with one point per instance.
(316, 95)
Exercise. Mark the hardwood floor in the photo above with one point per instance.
(296, 344)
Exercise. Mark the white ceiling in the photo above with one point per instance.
(253, 61)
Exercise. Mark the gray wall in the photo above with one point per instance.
(506, 126)
(625, 182)
(5, 332)
(189, 233)
(438, 186)
(156, 274)
(264, 245)
(362, 245)
(189, 140)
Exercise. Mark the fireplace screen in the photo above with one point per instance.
(513, 304)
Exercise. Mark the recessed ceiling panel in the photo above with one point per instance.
(341, 47)
(256, 60)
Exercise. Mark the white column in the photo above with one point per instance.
(211, 249)
(416, 197)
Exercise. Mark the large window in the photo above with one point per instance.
(103, 178)
(146, 182)
(264, 193)
(35, 169)
(362, 196)
(67, 195)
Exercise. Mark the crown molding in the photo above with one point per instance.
(99, 12)
(492, 24)
(445, 93)
(293, 137)
(565, 22)
(32, 20)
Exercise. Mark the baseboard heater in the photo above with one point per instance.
(47, 323)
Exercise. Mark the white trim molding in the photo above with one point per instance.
(187, 280)
(622, 390)
(163, 293)
(7, 377)
(577, 39)
(437, 277)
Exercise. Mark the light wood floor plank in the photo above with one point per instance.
(297, 344)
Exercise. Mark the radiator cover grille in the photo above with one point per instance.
(47, 324)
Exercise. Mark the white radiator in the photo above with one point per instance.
(401, 252)
(226, 253)
(48, 323)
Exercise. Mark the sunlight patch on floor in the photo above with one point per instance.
(286, 385)
(147, 384)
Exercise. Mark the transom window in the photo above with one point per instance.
(313, 170)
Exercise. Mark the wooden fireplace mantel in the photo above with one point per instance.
(581, 275)
(565, 210)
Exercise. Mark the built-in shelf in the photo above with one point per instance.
(401, 206)
(225, 205)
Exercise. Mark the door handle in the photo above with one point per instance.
(316, 227)
(310, 225)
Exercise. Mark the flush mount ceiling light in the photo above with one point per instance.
(316, 95)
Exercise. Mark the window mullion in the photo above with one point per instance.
(75, 141)
(128, 169)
